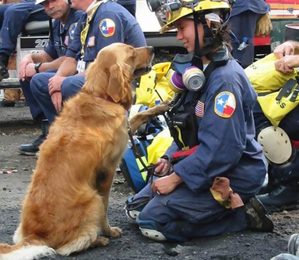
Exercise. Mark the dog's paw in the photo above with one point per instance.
(101, 241)
(115, 232)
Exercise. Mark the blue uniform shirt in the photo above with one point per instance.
(111, 23)
(62, 35)
(226, 135)
(256, 6)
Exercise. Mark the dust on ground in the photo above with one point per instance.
(16, 128)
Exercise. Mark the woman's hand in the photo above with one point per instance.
(166, 184)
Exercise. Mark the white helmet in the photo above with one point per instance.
(39, 1)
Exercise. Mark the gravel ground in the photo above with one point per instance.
(16, 128)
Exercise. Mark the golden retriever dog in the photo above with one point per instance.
(65, 208)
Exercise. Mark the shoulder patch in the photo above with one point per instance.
(107, 27)
(225, 104)
(72, 29)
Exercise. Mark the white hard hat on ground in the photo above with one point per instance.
(276, 144)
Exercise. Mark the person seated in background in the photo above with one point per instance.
(282, 189)
(61, 35)
(13, 18)
(211, 189)
(247, 18)
(103, 23)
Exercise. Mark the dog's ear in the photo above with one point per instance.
(117, 83)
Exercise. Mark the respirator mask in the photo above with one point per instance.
(184, 75)
(192, 79)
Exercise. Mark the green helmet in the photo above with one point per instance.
(169, 11)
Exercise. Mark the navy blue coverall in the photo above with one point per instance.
(244, 16)
(227, 148)
(61, 37)
(110, 23)
(13, 17)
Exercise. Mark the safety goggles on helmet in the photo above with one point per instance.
(169, 11)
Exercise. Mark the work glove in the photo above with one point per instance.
(263, 25)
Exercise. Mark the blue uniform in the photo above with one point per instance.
(61, 37)
(244, 16)
(13, 19)
(110, 23)
(227, 148)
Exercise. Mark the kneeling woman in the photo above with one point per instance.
(212, 190)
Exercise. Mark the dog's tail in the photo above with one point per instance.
(24, 251)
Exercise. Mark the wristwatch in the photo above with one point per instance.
(37, 66)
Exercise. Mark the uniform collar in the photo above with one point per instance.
(91, 6)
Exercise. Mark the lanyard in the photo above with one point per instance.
(85, 30)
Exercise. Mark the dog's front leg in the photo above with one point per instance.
(104, 182)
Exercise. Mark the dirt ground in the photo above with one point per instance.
(15, 172)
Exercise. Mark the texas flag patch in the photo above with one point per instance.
(225, 104)
(107, 27)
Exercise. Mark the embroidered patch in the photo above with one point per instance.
(107, 27)
(91, 41)
(72, 30)
(199, 109)
(225, 104)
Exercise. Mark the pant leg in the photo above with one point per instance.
(183, 214)
(16, 16)
(39, 88)
(243, 26)
(38, 14)
(3, 9)
(71, 85)
(291, 124)
(40, 91)
(36, 111)
(260, 120)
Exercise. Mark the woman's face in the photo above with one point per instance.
(186, 34)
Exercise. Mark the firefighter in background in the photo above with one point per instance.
(63, 26)
(282, 190)
(12, 19)
(105, 22)
(248, 18)
(212, 117)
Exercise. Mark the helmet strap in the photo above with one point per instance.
(196, 60)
